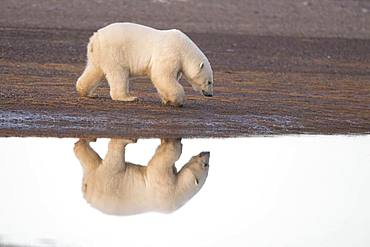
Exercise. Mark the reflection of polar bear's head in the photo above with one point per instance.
(192, 177)
(198, 166)
(200, 76)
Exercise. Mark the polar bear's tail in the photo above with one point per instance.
(92, 47)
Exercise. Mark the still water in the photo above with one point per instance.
(266, 191)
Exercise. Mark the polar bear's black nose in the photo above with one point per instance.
(207, 94)
(204, 154)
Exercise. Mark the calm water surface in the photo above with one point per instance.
(271, 191)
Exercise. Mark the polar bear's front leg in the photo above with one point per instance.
(169, 89)
(118, 81)
(166, 154)
(171, 93)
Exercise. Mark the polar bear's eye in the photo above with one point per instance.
(84, 189)
(209, 82)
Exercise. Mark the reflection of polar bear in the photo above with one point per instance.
(115, 186)
(123, 50)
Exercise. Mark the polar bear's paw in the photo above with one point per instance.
(173, 103)
(171, 140)
(89, 139)
(81, 144)
(85, 140)
(176, 100)
(90, 95)
(127, 99)
(132, 140)
(123, 141)
(85, 92)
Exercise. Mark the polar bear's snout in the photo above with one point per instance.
(204, 154)
(207, 94)
(204, 157)
(207, 89)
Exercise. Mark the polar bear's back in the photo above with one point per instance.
(135, 46)
(130, 192)
(125, 32)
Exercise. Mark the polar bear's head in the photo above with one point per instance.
(200, 76)
(192, 177)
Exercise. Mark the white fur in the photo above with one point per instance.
(115, 186)
(123, 50)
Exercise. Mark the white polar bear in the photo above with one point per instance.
(123, 50)
(117, 187)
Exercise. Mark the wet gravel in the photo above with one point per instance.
(265, 85)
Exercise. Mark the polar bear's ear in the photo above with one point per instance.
(201, 65)
(179, 75)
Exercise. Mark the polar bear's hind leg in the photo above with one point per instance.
(118, 81)
(115, 158)
(89, 80)
(88, 158)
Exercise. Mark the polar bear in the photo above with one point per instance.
(117, 187)
(123, 50)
